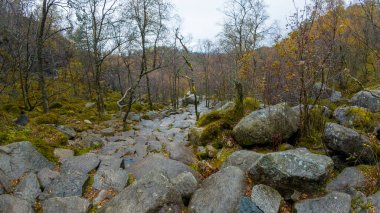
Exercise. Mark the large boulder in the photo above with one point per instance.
(243, 159)
(353, 116)
(152, 193)
(348, 142)
(220, 192)
(16, 159)
(367, 99)
(158, 162)
(296, 169)
(46, 176)
(266, 198)
(185, 184)
(262, 126)
(11, 204)
(66, 204)
(334, 202)
(361, 178)
(189, 99)
(322, 91)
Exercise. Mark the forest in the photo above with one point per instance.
(79, 76)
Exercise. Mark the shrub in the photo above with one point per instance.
(250, 104)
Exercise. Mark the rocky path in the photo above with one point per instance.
(29, 182)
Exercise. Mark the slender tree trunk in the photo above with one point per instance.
(149, 94)
(40, 47)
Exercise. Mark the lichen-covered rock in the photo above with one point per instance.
(220, 192)
(322, 91)
(84, 163)
(185, 184)
(243, 159)
(260, 127)
(152, 193)
(66, 185)
(66, 204)
(29, 188)
(354, 116)
(16, 159)
(68, 131)
(296, 169)
(334, 202)
(361, 178)
(195, 134)
(111, 179)
(63, 153)
(180, 152)
(11, 204)
(158, 162)
(266, 198)
(348, 142)
(367, 99)
(45, 176)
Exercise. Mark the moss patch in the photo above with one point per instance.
(362, 119)
(250, 104)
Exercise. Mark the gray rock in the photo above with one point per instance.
(22, 120)
(185, 184)
(211, 151)
(107, 131)
(45, 176)
(325, 92)
(68, 131)
(242, 159)
(266, 198)
(11, 204)
(367, 100)
(84, 163)
(189, 99)
(202, 152)
(127, 162)
(261, 126)
(343, 140)
(351, 178)
(375, 201)
(107, 179)
(182, 124)
(334, 202)
(194, 135)
(155, 194)
(16, 159)
(117, 149)
(90, 139)
(246, 205)
(227, 106)
(65, 204)
(153, 146)
(313, 108)
(63, 153)
(66, 185)
(180, 152)
(109, 163)
(347, 116)
(28, 189)
(296, 169)
(158, 162)
(220, 192)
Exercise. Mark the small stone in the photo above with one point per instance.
(84, 163)
(45, 176)
(334, 202)
(28, 189)
(10, 204)
(111, 179)
(87, 122)
(266, 198)
(247, 206)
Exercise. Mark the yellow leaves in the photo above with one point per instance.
(245, 63)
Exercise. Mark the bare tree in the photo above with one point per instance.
(100, 21)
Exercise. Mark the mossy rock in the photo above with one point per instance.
(210, 117)
(47, 118)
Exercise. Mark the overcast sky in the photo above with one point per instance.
(203, 18)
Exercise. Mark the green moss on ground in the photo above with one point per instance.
(250, 104)
(362, 119)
